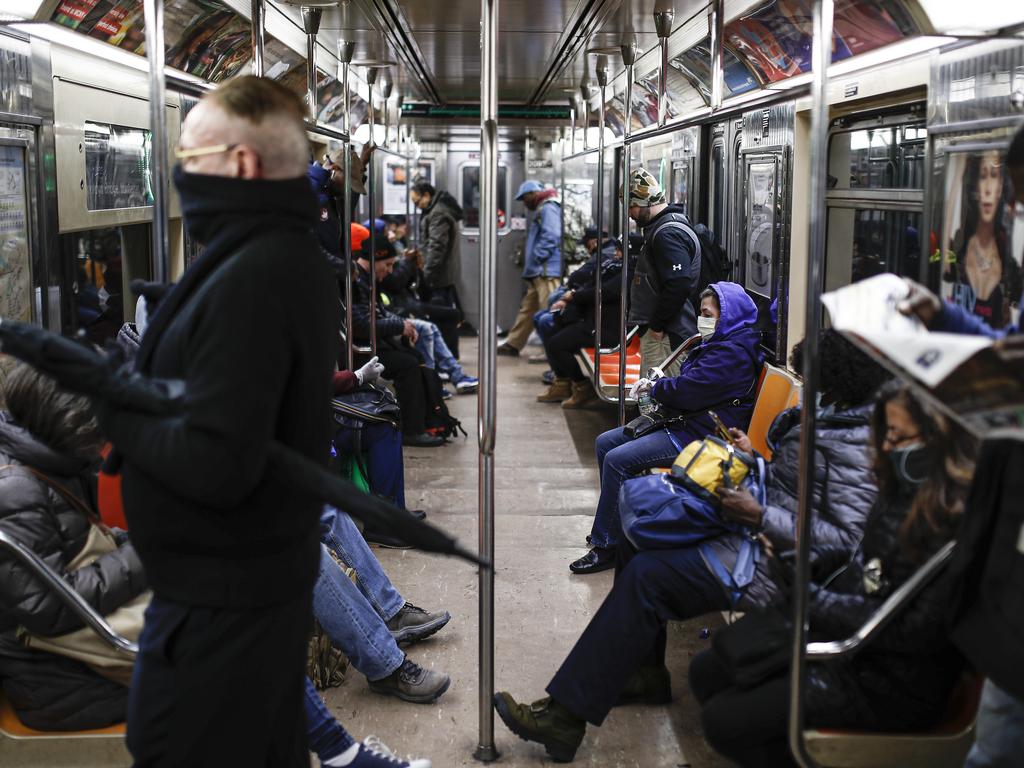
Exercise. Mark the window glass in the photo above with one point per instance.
(471, 196)
(118, 171)
(891, 157)
(864, 242)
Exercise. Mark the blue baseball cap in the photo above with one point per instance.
(529, 186)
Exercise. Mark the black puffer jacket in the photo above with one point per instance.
(439, 234)
(903, 677)
(388, 323)
(844, 491)
(39, 684)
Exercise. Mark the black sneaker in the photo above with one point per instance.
(411, 682)
(412, 624)
(384, 539)
(422, 440)
(374, 754)
(546, 722)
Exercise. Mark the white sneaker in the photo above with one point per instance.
(373, 753)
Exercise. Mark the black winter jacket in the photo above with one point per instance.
(50, 692)
(903, 677)
(666, 276)
(388, 323)
(844, 491)
(439, 233)
(581, 283)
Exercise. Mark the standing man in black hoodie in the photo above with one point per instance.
(230, 551)
(667, 273)
(439, 239)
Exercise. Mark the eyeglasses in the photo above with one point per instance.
(213, 149)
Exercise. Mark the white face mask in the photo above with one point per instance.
(706, 327)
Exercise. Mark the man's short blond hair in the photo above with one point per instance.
(269, 117)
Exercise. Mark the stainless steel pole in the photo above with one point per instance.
(585, 104)
(664, 13)
(628, 51)
(258, 21)
(487, 400)
(602, 81)
(371, 78)
(821, 53)
(385, 92)
(311, 23)
(153, 15)
(572, 121)
(717, 24)
(346, 49)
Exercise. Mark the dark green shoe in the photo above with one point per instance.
(546, 722)
(648, 685)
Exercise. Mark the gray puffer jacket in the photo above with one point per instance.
(439, 238)
(50, 692)
(844, 491)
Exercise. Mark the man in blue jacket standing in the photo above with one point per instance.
(543, 269)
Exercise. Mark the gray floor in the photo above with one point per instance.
(546, 490)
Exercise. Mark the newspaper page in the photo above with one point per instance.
(977, 381)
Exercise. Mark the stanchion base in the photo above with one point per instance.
(486, 754)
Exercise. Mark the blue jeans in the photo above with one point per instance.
(999, 742)
(352, 623)
(618, 459)
(435, 352)
(327, 737)
(382, 450)
(544, 321)
(338, 532)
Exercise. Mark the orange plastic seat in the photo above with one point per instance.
(108, 498)
(778, 390)
(12, 727)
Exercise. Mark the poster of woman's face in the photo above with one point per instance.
(981, 262)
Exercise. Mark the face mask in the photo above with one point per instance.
(911, 464)
(706, 327)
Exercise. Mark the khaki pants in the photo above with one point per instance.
(537, 292)
(654, 351)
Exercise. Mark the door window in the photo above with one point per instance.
(470, 183)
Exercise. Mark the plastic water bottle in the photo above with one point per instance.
(648, 405)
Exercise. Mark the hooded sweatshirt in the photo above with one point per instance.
(544, 241)
(719, 372)
(439, 233)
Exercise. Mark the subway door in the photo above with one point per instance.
(464, 176)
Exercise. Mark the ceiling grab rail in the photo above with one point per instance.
(821, 51)
(153, 17)
(487, 400)
(67, 595)
(628, 52)
(717, 26)
(258, 20)
(346, 49)
(311, 25)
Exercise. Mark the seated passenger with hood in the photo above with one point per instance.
(720, 374)
(620, 657)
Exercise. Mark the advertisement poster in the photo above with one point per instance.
(696, 63)
(15, 268)
(981, 263)
(760, 234)
(394, 184)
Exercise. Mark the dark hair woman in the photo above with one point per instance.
(48, 438)
(903, 677)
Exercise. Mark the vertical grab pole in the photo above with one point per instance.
(311, 23)
(371, 78)
(572, 131)
(602, 81)
(153, 15)
(487, 402)
(258, 13)
(717, 25)
(628, 51)
(664, 13)
(821, 53)
(346, 48)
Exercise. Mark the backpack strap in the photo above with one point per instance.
(680, 222)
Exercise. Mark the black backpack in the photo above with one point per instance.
(438, 420)
(714, 262)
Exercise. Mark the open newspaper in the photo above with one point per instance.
(977, 381)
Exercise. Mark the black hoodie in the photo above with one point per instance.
(439, 236)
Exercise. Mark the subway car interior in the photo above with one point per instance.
(799, 147)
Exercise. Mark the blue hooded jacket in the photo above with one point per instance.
(722, 369)
(544, 242)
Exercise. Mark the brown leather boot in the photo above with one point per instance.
(583, 394)
(559, 390)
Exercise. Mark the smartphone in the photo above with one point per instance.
(722, 429)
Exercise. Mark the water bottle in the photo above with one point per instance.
(648, 405)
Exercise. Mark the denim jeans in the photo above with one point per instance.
(435, 352)
(338, 532)
(352, 623)
(544, 321)
(327, 737)
(382, 451)
(618, 459)
(999, 742)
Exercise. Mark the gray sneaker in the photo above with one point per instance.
(412, 624)
(411, 682)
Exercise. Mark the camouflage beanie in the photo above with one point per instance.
(644, 189)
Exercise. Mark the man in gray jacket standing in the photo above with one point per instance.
(439, 240)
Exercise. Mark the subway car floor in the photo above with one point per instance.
(546, 492)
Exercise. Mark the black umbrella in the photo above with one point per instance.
(81, 369)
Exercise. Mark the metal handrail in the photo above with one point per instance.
(629, 337)
(907, 591)
(78, 604)
(678, 352)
